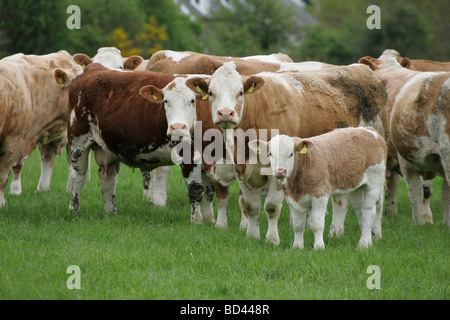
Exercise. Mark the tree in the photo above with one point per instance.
(251, 27)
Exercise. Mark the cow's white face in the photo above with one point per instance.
(226, 95)
(110, 58)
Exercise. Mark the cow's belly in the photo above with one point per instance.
(223, 174)
(161, 156)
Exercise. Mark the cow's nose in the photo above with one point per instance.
(177, 126)
(225, 115)
(280, 173)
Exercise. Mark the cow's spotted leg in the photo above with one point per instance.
(427, 187)
(193, 179)
(252, 199)
(79, 154)
(298, 215)
(208, 197)
(16, 185)
(155, 185)
(339, 206)
(108, 178)
(272, 208)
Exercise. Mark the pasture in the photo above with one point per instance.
(146, 252)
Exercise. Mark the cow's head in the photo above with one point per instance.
(64, 77)
(180, 99)
(110, 58)
(227, 91)
(282, 151)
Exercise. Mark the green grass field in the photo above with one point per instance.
(145, 252)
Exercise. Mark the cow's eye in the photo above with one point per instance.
(211, 94)
(270, 154)
(241, 93)
(290, 156)
(165, 101)
(192, 101)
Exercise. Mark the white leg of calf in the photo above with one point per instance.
(340, 205)
(272, 208)
(253, 206)
(376, 228)
(298, 215)
(316, 220)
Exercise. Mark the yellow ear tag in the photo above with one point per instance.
(155, 97)
(304, 150)
(258, 150)
(205, 97)
(60, 80)
(83, 66)
(198, 89)
(251, 88)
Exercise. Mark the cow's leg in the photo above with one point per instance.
(155, 185)
(316, 220)
(108, 178)
(392, 180)
(445, 197)
(208, 198)
(272, 207)
(371, 195)
(193, 179)
(415, 191)
(376, 228)
(298, 215)
(339, 206)
(8, 159)
(48, 152)
(16, 184)
(222, 199)
(79, 155)
(252, 199)
(244, 213)
(427, 188)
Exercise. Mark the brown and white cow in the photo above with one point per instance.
(416, 64)
(33, 109)
(111, 58)
(348, 161)
(185, 107)
(187, 62)
(419, 129)
(301, 104)
(107, 113)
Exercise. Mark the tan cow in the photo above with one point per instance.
(111, 58)
(419, 128)
(300, 104)
(187, 62)
(415, 64)
(33, 106)
(348, 161)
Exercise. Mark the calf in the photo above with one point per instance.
(345, 161)
(108, 114)
(419, 129)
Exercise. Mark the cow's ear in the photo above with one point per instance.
(61, 77)
(53, 64)
(152, 93)
(82, 59)
(405, 63)
(253, 84)
(258, 146)
(303, 146)
(132, 62)
(199, 86)
(373, 64)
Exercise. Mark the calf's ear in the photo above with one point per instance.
(199, 86)
(258, 146)
(303, 146)
(253, 84)
(405, 63)
(152, 94)
(132, 62)
(82, 59)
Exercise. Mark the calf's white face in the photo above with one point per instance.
(281, 151)
(226, 95)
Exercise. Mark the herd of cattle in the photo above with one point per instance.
(345, 132)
